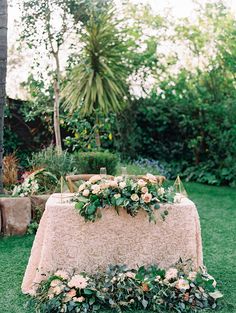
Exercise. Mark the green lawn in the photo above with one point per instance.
(217, 209)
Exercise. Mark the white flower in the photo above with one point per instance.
(182, 284)
(117, 195)
(161, 191)
(171, 273)
(95, 189)
(78, 281)
(158, 278)
(86, 193)
(81, 187)
(147, 197)
(134, 197)
(95, 179)
(192, 276)
(142, 183)
(144, 190)
(122, 184)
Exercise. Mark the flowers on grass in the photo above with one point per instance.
(131, 194)
(119, 287)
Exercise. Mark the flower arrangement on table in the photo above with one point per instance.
(178, 289)
(131, 194)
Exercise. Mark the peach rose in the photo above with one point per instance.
(151, 178)
(147, 197)
(79, 299)
(95, 178)
(144, 190)
(117, 195)
(55, 282)
(82, 187)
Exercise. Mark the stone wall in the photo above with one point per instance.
(16, 213)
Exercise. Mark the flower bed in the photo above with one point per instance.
(131, 194)
(152, 288)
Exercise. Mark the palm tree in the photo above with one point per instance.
(3, 68)
(98, 84)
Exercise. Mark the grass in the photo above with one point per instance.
(217, 209)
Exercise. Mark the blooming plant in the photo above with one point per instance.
(120, 288)
(36, 182)
(131, 194)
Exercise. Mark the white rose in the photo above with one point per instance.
(134, 197)
(86, 193)
(95, 189)
(117, 195)
(142, 183)
(122, 184)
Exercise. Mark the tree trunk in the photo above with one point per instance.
(97, 134)
(56, 115)
(3, 70)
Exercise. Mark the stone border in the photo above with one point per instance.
(16, 213)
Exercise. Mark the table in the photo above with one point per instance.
(65, 241)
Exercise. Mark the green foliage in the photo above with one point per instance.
(122, 288)
(57, 164)
(91, 162)
(98, 82)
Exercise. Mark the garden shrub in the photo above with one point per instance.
(91, 162)
(57, 164)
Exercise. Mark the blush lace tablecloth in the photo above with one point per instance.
(65, 241)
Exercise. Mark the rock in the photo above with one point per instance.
(38, 205)
(16, 215)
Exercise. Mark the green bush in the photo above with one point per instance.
(91, 162)
(57, 164)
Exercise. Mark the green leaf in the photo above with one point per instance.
(91, 209)
(144, 303)
(79, 205)
(88, 291)
(119, 201)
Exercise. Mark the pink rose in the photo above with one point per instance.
(147, 197)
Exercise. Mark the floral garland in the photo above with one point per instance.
(131, 194)
(148, 288)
